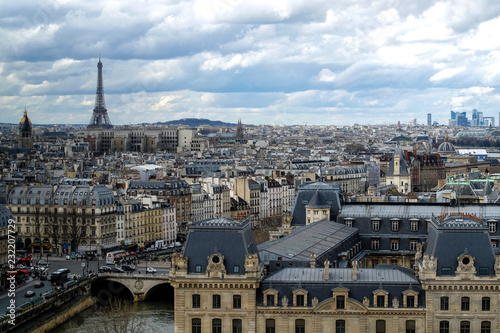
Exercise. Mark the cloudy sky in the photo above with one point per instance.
(267, 62)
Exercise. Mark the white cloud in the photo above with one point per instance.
(232, 60)
(164, 102)
(446, 74)
(316, 60)
(326, 75)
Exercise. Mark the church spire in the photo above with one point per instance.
(239, 130)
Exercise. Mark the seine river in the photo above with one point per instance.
(154, 316)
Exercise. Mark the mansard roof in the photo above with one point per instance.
(317, 201)
(64, 194)
(450, 236)
(5, 216)
(233, 240)
(391, 278)
(330, 193)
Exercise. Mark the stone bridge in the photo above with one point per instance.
(139, 285)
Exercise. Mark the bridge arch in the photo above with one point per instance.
(106, 290)
(160, 292)
(135, 286)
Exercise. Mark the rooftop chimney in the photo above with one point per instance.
(312, 264)
(355, 270)
(327, 269)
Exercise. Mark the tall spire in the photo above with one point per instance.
(100, 118)
(239, 130)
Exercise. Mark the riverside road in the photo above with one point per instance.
(76, 268)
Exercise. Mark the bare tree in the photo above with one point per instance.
(116, 317)
(54, 231)
(38, 221)
(77, 226)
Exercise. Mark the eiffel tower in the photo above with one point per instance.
(100, 118)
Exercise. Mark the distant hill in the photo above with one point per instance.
(195, 122)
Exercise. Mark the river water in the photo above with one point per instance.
(153, 316)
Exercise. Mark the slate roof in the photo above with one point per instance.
(403, 165)
(317, 201)
(5, 216)
(449, 239)
(405, 210)
(137, 184)
(391, 278)
(233, 240)
(330, 193)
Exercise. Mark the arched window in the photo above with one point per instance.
(410, 326)
(216, 325)
(196, 325)
(380, 326)
(465, 326)
(270, 326)
(237, 326)
(300, 326)
(485, 327)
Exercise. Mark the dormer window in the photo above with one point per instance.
(394, 225)
(410, 299)
(414, 225)
(381, 298)
(340, 302)
(492, 227)
(300, 297)
(340, 296)
(270, 297)
(348, 222)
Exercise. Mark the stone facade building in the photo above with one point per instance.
(222, 285)
(62, 217)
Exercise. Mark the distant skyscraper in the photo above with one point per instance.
(100, 118)
(458, 119)
(429, 119)
(413, 122)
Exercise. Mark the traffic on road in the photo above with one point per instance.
(41, 276)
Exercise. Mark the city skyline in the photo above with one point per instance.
(286, 63)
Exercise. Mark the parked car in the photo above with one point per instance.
(29, 293)
(104, 269)
(151, 270)
(39, 284)
(116, 270)
(128, 268)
